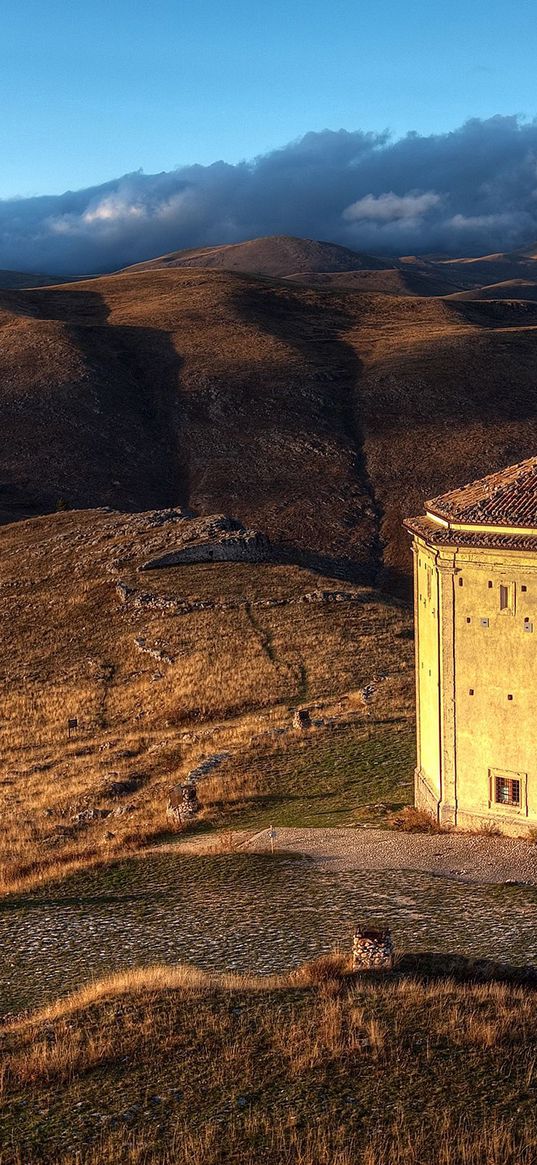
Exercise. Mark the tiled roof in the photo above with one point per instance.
(444, 536)
(507, 498)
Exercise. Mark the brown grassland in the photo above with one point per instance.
(169, 1065)
(228, 682)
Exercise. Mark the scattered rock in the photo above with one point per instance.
(91, 814)
(154, 652)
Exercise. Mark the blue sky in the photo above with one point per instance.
(91, 90)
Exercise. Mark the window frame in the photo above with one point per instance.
(520, 808)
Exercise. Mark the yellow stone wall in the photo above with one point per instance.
(426, 583)
(465, 644)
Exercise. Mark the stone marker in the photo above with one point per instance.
(372, 949)
(302, 718)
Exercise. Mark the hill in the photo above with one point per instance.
(277, 256)
(318, 418)
(404, 279)
(487, 269)
(167, 1065)
(17, 279)
(509, 289)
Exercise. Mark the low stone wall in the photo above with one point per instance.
(243, 547)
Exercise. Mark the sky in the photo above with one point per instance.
(171, 119)
(90, 90)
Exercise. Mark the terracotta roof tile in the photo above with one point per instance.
(443, 536)
(506, 498)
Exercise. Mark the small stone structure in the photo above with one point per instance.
(183, 803)
(372, 949)
(218, 539)
(302, 718)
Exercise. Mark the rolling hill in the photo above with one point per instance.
(277, 256)
(328, 266)
(318, 418)
(508, 289)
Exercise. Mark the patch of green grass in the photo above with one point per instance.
(340, 777)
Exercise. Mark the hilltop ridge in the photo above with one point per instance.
(275, 255)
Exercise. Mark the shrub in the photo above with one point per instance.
(412, 820)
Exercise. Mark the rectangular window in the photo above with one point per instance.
(429, 585)
(507, 791)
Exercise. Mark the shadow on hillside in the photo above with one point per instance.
(494, 313)
(332, 367)
(431, 967)
(112, 433)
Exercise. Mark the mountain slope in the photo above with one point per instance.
(320, 418)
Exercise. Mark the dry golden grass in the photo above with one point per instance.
(231, 686)
(310, 1068)
(412, 820)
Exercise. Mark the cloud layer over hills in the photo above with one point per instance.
(467, 192)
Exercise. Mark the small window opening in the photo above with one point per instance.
(510, 697)
(507, 597)
(523, 587)
(468, 619)
(470, 691)
(460, 582)
(429, 581)
(490, 583)
(507, 791)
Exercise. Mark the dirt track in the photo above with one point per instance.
(473, 859)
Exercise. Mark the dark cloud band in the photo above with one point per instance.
(465, 192)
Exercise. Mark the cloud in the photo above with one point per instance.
(391, 207)
(466, 192)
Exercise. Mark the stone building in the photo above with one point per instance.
(475, 602)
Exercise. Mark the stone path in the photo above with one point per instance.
(472, 859)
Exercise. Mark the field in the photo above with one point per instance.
(158, 689)
(318, 1067)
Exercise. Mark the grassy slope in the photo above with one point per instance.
(228, 681)
(316, 1068)
(317, 416)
